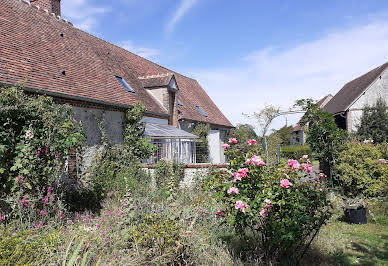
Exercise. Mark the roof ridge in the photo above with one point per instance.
(159, 75)
(58, 17)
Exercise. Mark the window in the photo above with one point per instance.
(125, 84)
(201, 111)
(179, 103)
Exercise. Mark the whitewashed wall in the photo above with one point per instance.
(379, 88)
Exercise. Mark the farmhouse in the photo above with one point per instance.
(347, 105)
(100, 80)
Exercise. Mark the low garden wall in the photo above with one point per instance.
(191, 171)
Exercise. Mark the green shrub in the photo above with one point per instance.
(117, 167)
(359, 172)
(29, 247)
(160, 239)
(295, 151)
(36, 136)
(168, 176)
(260, 203)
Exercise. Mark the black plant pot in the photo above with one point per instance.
(355, 215)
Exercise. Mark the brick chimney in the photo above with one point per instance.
(53, 6)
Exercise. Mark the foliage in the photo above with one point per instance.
(168, 175)
(359, 171)
(117, 166)
(282, 208)
(36, 136)
(243, 132)
(202, 130)
(161, 239)
(374, 122)
(284, 134)
(295, 151)
(27, 247)
(323, 135)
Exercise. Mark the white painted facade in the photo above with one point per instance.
(215, 140)
(377, 89)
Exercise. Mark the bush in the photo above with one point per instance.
(295, 151)
(117, 167)
(280, 208)
(160, 239)
(36, 136)
(28, 247)
(359, 171)
(374, 122)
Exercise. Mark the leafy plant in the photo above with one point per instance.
(27, 247)
(160, 238)
(374, 122)
(362, 169)
(283, 209)
(323, 135)
(36, 135)
(118, 166)
(295, 151)
(202, 148)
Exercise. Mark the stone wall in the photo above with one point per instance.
(191, 172)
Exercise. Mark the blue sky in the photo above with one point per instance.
(250, 53)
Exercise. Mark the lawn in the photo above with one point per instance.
(339, 243)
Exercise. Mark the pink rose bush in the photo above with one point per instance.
(233, 140)
(251, 142)
(270, 200)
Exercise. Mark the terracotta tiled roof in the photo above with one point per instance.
(48, 53)
(156, 80)
(352, 90)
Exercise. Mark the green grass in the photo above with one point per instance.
(340, 243)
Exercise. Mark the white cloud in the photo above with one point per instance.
(184, 7)
(311, 69)
(141, 51)
(82, 13)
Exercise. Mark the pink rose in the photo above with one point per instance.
(263, 212)
(294, 164)
(267, 201)
(236, 177)
(225, 146)
(233, 140)
(307, 167)
(233, 190)
(45, 200)
(243, 172)
(19, 178)
(383, 161)
(241, 205)
(285, 183)
(255, 160)
(251, 142)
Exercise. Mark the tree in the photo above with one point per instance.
(284, 134)
(323, 135)
(264, 119)
(374, 122)
(244, 132)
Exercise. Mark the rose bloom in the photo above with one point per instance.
(251, 142)
(233, 140)
(241, 205)
(263, 212)
(285, 183)
(267, 201)
(383, 161)
(294, 164)
(307, 167)
(225, 146)
(243, 172)
(233, 190)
